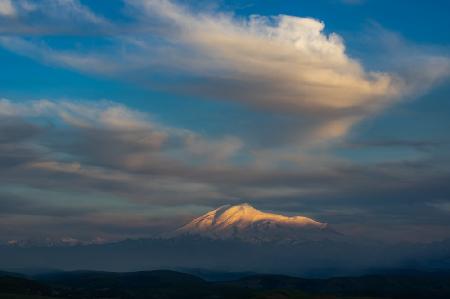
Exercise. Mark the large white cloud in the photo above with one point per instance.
(283, 60)
(283, 64)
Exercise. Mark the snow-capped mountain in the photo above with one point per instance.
(245, 223)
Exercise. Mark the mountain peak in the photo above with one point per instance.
(237, 211)
(244, 222)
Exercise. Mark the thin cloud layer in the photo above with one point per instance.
(131, 134)
(48, 17)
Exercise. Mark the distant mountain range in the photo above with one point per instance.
(54, 242)
(238, 222)
(235, 239)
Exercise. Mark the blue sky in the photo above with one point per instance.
(333, 109)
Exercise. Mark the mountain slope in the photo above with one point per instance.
(243, 222)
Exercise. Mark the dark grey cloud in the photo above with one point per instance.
(420, 145)
(14, 136)
(12, 204)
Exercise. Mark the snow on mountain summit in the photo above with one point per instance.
(246, 223)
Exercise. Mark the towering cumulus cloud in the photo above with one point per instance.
(284, 63)
(281, 61)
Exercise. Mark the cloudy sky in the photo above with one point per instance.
(125, 118)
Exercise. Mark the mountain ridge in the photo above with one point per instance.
(181, 285)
